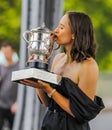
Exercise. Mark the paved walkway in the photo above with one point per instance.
(104, 120)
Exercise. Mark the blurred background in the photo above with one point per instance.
(16, 14)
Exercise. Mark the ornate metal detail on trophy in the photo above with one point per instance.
(41, 45)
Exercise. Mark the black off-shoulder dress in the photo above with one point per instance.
(83, 108)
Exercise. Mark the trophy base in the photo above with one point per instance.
(35, 74)
(39, 65)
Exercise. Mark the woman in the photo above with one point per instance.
(72, 103)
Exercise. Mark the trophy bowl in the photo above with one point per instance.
(41, 46)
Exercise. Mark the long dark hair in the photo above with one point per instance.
(83, 45)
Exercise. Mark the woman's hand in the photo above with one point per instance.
(30, 58)
(44, 85)
(40, 89)
(30, 83)
(39, 84)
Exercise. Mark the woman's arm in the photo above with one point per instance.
(88, 77)
(63, 102)
(39, 89)
(43, 96)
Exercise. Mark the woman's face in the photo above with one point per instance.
(63, 32)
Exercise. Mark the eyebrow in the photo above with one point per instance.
(62, 24)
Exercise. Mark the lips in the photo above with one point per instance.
(55, 37)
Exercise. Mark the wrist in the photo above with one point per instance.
(50, 94)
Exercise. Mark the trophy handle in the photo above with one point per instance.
(57, 47)
(52, 51)
(25, 34)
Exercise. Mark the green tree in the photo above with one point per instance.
(101, 15)
(10, 12)
(99, 11)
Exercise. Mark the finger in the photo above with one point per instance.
(26, 82)
(27, 62)
(42, 83)
(31, 83)
(31, 57)
(46, 60)
(23, 82)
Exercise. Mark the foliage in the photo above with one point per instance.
(101, 15)
(10, 11)
(99, 11)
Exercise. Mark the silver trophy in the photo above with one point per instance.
(41, 46)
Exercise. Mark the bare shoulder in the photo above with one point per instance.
(88, 77)
(89, 69)
(89, 66)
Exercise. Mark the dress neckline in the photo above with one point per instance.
(76, 85)
(70, 80)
